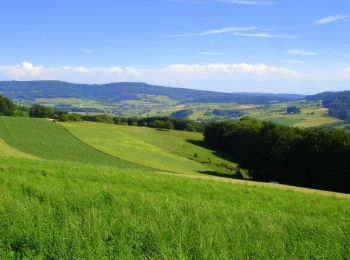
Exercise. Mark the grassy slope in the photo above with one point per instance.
(180, 143)
(110, 139)
(68, 210)
(49, 140)
(7, 150)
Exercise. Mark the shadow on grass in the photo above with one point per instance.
(220, 155)
(217, 153)
(223, 175)
(163, 130)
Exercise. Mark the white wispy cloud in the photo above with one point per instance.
(257, 69)
(302, 52)
(210, 53)
(28, 70)
(201, 76)
(249, 31)
(264, 35)
(330, 19)
(223, 30)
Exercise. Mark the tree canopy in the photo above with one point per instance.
(316, 158)
(7, 108)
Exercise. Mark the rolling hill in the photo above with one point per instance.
(47, 140)
(64, 198)
(114, 92)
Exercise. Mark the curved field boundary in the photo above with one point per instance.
(109, 139)
(49, 140)
(7, 150)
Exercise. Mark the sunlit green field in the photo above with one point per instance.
(70, 210)
(181, 143)
(49, 140)
(153, 148)
(86, 195)
(311, 115)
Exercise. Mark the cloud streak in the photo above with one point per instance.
(26, 70)
(247, 31)
(264, 35)
(223, 30)
(330, 19)
(301, 52)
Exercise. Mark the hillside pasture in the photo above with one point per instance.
(110, 139)
(184, 144)
(166, 150)
(49, 140)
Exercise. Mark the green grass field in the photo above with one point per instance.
(62, 198)
(184, 144)
(6, 150)
(49, 140)
(74, 211)
(171, 151)
(311, 114)
(118, 142)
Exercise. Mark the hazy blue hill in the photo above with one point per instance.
(30, 90)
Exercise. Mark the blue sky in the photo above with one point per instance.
(295, 46)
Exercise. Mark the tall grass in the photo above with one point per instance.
(63, 210)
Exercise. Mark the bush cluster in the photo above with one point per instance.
(7, 108)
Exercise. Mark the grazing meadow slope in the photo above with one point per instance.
(72, 201)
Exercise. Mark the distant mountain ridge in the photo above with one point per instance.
(114, 92)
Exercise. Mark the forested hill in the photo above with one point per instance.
(329, 95)
(338, 103)
(30, 90)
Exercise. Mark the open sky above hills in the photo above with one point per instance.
(223, 45)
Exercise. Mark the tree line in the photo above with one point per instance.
(315, 158)
(8, 108)
(153, 122)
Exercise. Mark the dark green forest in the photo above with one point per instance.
(316, 157)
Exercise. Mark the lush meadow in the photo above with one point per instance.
(49, 140)
(62, 198)
(69, 210)
(166, 150)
